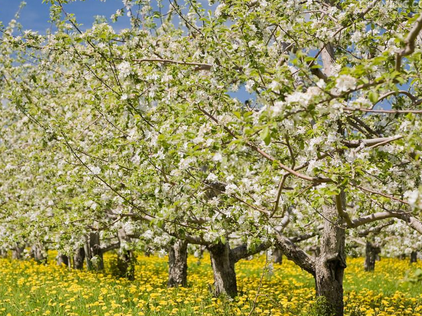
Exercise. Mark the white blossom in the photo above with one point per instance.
(219, 9)
(212, 177)
(95, 169)
(345, 83)
(124, 69)
(217, 157)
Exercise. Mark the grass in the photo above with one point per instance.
(31, 289)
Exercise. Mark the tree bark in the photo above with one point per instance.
(62, 259)
(93, 249)
(295, 254)
(371, 252)
(223, 267)
(78, 259)
(277, 256)
(414, 257)
(17, 252)
(330, 265)
(126, 264)
(178, 264)
(37, 253)
(3, 253)
(126, 258)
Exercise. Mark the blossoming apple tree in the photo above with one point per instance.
(330, 140)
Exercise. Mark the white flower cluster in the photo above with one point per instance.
(345, 83)
(219, 9)
(124, 69)
(414, 198)
(185, 163)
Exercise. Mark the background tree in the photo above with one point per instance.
(330, 140)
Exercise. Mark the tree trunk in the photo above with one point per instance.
(126, 258)
(62, 259)
(330, 265)
(126, 265)
(17, 252)
(93, 250)
(178, 264)
(371, 253)
(78, 259)
(414, 257)
(277, 256)
(37, 253)
(3, 253)
(223, 269)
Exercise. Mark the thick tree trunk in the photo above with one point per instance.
(17, 252)
(38, 253)
(3, 253)
(93, 250)
(414, 257)
(126, 258)
(78, 259)
(277, 256)
(330, 265)
(178, 264)
(371, 253)
(62, 259)
(223, 268)
(126, 264)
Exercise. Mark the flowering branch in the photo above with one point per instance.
(371, 143)
(410, 43)
(199, 66)
(382, 194)
(382, 111)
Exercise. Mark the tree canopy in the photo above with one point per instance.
(142, 128)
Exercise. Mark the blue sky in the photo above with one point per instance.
(35, 14)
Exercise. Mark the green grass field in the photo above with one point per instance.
(31, 289)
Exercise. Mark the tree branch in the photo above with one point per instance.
(200, 66)
(371, 143)
(242, 251)
(410, 42)
(382, 111)
(280, 189)
(303, 237)
(110, 247)
(372, 218)
(382, 194)
(411, 96)
(374, 230)
(295, 253)
(341, 207)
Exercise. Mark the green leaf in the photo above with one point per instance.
(266, 136)
(373, 96)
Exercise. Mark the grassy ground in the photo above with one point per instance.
(27, 288)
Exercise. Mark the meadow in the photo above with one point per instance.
(28, 288)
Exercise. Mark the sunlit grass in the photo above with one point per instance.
(31, 289)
